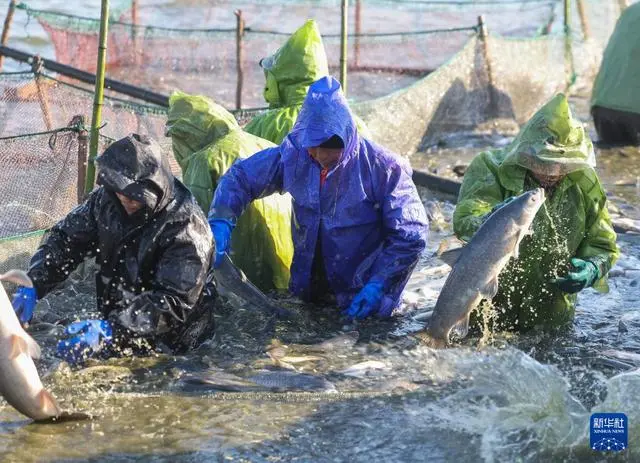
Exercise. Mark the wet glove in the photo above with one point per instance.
(366, 301)
(91, 337)
(221, 229)
(585, 273)
(24, 303)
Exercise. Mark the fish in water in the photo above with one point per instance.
(274, 380)
(233, 280)
(474, 275)
(366, 368)
(20, 384)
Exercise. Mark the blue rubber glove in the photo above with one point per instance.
(366, 301)
(24, 303)
(221, 229)
(585, 273)
(91, 337)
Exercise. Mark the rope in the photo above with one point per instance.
(150, 29)
(75, 128)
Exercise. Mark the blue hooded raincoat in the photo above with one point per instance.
(367, 214)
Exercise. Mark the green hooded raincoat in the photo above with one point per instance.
(574, 222)
(206, 141)
(289, 72)
(617, 85)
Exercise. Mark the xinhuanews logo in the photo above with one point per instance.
(609, 432)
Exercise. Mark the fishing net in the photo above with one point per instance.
(199, 53)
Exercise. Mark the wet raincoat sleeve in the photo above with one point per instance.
(70, 241)
(179, 279)
(247, 180)
(480, 191)
(599, 244)
(405, 227)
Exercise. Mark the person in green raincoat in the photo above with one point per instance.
(573, 245)
(206, 140)
(615, 100)
(289, 72)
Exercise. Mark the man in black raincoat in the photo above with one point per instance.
(153, 249)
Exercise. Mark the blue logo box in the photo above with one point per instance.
(609, 432)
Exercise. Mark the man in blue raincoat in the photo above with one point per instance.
(358, 224)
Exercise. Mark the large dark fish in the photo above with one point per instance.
(474, 275)
(233, 280)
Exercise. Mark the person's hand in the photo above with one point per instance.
(221, 229)
(90, 337)
(24, 303)
(585, 273)
(366, 301)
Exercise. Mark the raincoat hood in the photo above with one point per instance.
(195, 121)
(294, 66)
(135, 167)
(325, 113)
(552, 142)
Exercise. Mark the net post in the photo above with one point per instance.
(7, 26)
(83, 150)
(98, 97)
(584, 21)
(568, 53)
(622, 4)
(343, 46)
(239, 57)
(36, 67)
(358, 32)
(483, 34)
(134, 32)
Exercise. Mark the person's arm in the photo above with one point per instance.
(599, 244)
(178, 280)
(405, 225)
(247, 180)
(479, 193)
(69, 242)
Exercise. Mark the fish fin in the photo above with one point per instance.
(47, 403)
(462, 327)
(451, 256)
(491, 289)
(23, 345)
(425, 338)
(18, 277)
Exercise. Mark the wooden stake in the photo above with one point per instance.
(239, 57)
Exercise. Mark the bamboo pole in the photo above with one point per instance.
(7, 26)
(358, 32)
(343, 46)
(568, 53)
(584, 21)
(37, 67)
(239, 57)
(83, 148)
(98, 97)
(482, 29)
(622, 4)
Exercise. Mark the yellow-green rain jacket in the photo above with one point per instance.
(574, 222)
(289, 72)
(206, 140)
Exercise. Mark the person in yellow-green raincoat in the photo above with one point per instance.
(289, 72)
(573, 245)
(206, 140)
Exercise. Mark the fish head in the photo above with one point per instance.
(524, 208)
